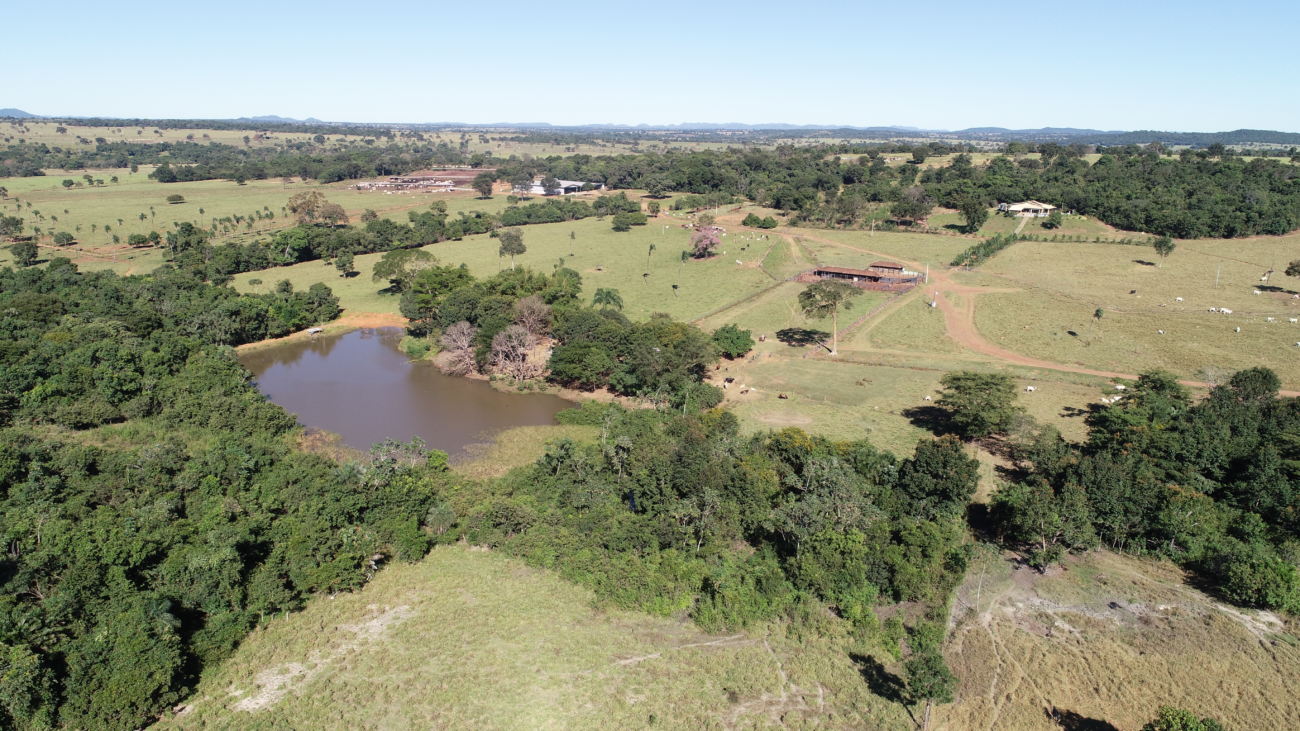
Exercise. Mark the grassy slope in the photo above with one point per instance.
(1110, 639)
(473, 639)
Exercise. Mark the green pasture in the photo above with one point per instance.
(604, 258)
(913, 326)
(934, 249)
(1196, 344)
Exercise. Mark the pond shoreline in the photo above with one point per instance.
(357, 382)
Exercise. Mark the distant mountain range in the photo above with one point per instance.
(1067, 135)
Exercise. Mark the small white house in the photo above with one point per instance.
(1028, 209)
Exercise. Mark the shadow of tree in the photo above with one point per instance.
(1073, 721)
(881, 682)
(798, 337)
(1275, 288)
(930, 418)
(1144, 262)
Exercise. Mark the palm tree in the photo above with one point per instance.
(825, 299)
(607, 298)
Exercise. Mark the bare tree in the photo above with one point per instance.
(532, 314)
(510, 353)
(458, 341)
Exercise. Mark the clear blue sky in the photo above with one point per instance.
(1138, 64)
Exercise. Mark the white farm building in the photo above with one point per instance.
(566, 187)
(1029, 209)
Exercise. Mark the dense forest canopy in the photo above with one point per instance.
(152, 509)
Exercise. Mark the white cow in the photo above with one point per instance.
(1030, 389)
(1268, 319)
(1178, 299)
(1293, 320)
(1120, 387)
(1237, 330)
(1226, 311)
(1257, 292)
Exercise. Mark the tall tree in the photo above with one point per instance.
(400, 266)
(826, 299)
(343, 262)
(913, 205)
(1164, 246)
(24, 253)
(979, 404)
(974, 212)
(512, 244)
(483, 184)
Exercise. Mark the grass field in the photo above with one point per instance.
(85, 211)
(1061, 286)
(473, 639)
(1110, 639)
(914, 326)
(604, 258)
(936, 250)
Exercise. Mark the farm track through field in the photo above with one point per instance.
(959, 321)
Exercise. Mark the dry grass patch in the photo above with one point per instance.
(473, 639)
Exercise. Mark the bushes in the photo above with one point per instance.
(732, 342)
(981, 252)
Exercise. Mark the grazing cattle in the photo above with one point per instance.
(1160, 332)
(1237, 330)
(782, 396)
(1292, 320)
(927, 398)
(1225, 311)
(1178, 299)
(1214, 309)
(1268, 319)
(1030, 389)
(1257, 292)
(1120, 387)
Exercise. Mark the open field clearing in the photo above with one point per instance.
(1109, 639)
(473, 639)
(936, 250)
(1062, 285)
(911, 325)
(604, 258)
(1000, 224)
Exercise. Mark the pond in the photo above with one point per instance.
(361, 386)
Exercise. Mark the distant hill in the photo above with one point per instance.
(11, 113)
(278, 119)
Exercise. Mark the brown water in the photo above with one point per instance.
(360, 386)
